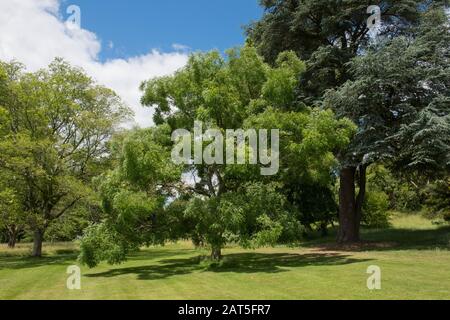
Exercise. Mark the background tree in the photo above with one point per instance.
(400, 99)
(438, 199)
(325, 33)
(329, 34)
(58, 128)
(12, 218)
(12, 214)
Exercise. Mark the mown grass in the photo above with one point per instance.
(413, 255)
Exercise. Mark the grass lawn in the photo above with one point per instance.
(413, 255)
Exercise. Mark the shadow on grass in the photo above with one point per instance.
(167, 262)
(232, 263)
(69, 257)
(412, 239)
(390, 239)
(26, 262)
(158, 253)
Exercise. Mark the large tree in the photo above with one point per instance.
(58, 125)
(329, 34)
(219, 202)
(246, 92)
(400, 98)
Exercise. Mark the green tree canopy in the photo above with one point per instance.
(225, 202)
(55, 139)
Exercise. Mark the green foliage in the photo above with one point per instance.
(100, 243)
(398, 83)
(70, 227)
(12, 217)
(408, 198)
(59, 123)
(227, 203)
(375, 210)
(279, 89)
(438, 198)
(134, 196)
(305, 25)
(404, 194)
(255, 215)
(326, 34)
(308, 142)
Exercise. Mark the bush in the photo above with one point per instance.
(447, 216)
(438, 199)
(408, 198)
(403, 195)
(375, 210)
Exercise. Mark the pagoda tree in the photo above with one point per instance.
(151, 199)
(245, 92)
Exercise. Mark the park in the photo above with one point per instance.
(413, 256)
(345, 194)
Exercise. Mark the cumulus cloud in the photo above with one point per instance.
(33, 33)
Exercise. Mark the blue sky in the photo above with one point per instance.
(137, 26)
(143, 34)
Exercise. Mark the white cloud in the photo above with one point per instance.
(180, 47)
(33, 33)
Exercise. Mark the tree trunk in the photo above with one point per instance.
(347, 207)
(37, 245)
(360, 198)
(350, 205)
(12, 238)
(216, 253)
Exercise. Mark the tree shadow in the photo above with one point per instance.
(412, 239)
(26, 262)
(66, 257)
(159, 252)
(232, 263)
(390, 239)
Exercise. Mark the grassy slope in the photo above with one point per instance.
(414, 258)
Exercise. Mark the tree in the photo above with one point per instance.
(244, 92)
(330, 34)
(59, 124)
(12, 218)
(327, 34)
(400, 99)
(12, 215)
(438, 199)
(218, 203)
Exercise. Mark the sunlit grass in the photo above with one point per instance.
(414, 263)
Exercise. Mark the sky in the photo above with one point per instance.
(121, 43)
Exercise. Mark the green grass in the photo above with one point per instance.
(413, 255)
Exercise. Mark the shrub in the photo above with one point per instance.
(438, 199)
(375, 210)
